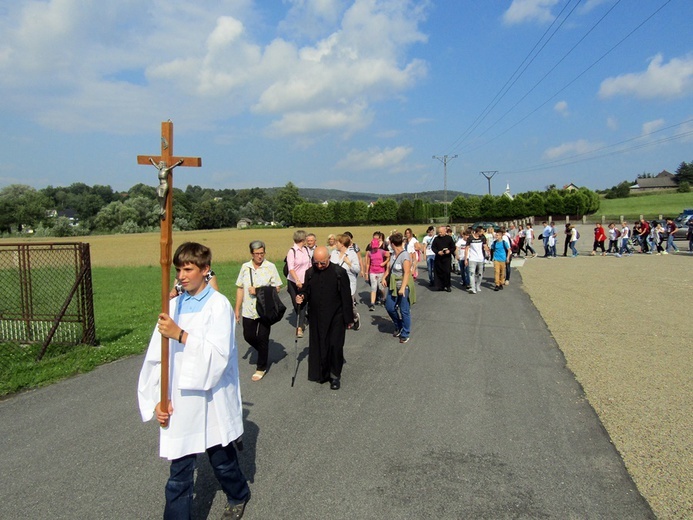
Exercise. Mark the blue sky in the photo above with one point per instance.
(353, 95)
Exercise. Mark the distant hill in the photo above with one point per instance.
(321, 195)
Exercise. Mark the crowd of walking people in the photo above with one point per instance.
(204, 410)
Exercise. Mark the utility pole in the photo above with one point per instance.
(444, 159)
(489, 175)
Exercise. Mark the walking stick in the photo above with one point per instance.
(293, 379)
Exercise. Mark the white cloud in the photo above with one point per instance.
(668, 80)
(67, 62)
(651, 126)
(374, 159)
(521, 11)
(576, 147)
(612, 123)
(349, 119)
(562, 108)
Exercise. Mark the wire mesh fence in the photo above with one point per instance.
(47, 297)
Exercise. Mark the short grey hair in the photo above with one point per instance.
(299, 236)
(257, 244)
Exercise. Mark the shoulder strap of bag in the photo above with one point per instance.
(250, 270)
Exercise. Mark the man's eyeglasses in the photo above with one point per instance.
(322, 264)
(259, 253)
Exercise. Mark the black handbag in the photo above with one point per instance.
(268, 304)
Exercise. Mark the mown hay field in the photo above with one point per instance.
(228, 245)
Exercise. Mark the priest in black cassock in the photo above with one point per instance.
(443, 246)
(330, 310)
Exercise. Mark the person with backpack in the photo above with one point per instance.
(297, 262)
(614, 235)
(500, 251)
(574, 236)
(256, 273)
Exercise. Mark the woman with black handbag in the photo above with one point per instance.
(256, 273)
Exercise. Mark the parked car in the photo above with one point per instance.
(486, 225)
(680, 233)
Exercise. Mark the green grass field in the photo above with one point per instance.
(126, 303)
(650, 205)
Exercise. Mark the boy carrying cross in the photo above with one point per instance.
(204, 412)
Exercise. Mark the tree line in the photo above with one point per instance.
(101, 210)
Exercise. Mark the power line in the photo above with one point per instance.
(515, 76)
(574, 79)
(594, 154)
(548, 73)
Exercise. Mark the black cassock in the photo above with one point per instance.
(442, 263)
(330, 310)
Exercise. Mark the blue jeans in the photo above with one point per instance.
(402, 317)
(547, 248)
(429, 264)
(670, 243)
(179, 488)
(464, 272)
(572, 247)
(624, 246)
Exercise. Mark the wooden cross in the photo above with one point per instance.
(165, 163)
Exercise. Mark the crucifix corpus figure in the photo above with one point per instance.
(162, 188)
(165, 163)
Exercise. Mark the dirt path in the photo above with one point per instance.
(624, 326)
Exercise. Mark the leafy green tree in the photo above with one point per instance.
(502, 208)
(22, 206)
(147, 211)
(684, 173)
(383, 212)
(575, 203)
(285, 201)
(684, 187)
(518, 207)
(535, 204)
(358, 212)
(405, 212)
(113, 216)
(419, 211)
(487, 207)
(142, 190)
(62, 228)
(620, 191)
(554, 203)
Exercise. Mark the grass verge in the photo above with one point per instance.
(126, 303)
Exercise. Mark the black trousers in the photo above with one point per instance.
(256, 333)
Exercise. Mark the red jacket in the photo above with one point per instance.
(599, 234)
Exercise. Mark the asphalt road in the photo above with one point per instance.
(476, 418)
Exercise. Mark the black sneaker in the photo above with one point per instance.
(397, 333)
(496, 288)
(371, 308)
(357, 322)
(403, 340)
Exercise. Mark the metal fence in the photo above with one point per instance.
(47, 295)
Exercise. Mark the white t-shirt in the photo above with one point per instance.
(476, 248)
(460, 245)
(427, 241)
